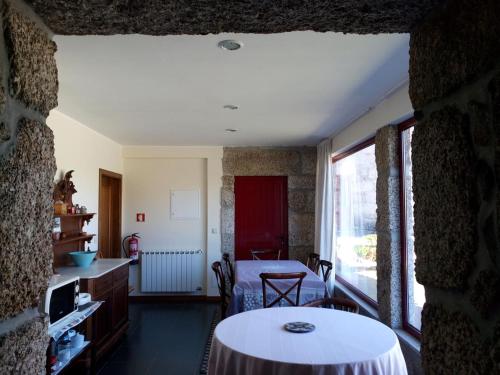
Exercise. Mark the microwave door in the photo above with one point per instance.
(62, 302)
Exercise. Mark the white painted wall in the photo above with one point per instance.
(84, 150)
(150, 173)
(392, 110)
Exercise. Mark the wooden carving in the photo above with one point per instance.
(65, 189)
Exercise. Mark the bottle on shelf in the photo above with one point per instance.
(60, 208)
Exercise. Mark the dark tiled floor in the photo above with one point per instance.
(163, 339)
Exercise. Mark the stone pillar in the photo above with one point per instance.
(299, 164)
(455, 88)
(388, 223)
(28, 91)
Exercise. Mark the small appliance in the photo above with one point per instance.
(61, 298)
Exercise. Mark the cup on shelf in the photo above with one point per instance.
(77, 341)
(64, 355)
(64, 351)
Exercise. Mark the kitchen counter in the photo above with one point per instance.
(98, 268)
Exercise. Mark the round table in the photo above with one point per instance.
(255, 342)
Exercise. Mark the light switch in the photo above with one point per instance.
(214, 230)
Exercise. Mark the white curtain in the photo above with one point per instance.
(323, 242)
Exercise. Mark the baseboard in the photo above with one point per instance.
(172, 299)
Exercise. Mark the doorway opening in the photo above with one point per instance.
(110, 214)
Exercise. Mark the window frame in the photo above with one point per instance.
(358, 147)
(405, 125)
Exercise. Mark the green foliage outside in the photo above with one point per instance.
(368, 248)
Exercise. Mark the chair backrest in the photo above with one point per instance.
(221, 282)
(229, 268)
(266, 277)
(336, 303)
(326, 269)
(313, 262)
(259, 254)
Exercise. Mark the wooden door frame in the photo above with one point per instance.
(116, 176)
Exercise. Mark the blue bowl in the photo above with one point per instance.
(82, 258)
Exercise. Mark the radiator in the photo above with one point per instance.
(172, 271)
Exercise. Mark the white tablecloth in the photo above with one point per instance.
(247, 291)
(255, 342)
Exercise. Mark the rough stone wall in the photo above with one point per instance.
(242, 16)
(28, 91)
(299, 164)
(23, 350)
(26, 217)
(455, 87)
(388, 226)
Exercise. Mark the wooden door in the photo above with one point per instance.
(110, 212)
(261, 215)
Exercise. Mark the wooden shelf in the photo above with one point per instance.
(72, 227)
(75, 215)
(79, 217)
(85, 237)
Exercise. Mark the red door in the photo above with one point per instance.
(261, 215)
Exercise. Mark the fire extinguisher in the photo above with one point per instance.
(131, 248)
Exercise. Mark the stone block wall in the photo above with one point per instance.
(207, 17)
(388, 226)
(299, 164)
(28, 91)
(455, 88)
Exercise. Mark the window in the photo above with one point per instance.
(413, 292)
(355, 216)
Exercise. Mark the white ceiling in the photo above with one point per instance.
(292, 88)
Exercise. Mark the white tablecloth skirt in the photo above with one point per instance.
(343, 343)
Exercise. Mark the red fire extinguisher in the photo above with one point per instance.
(131, 249)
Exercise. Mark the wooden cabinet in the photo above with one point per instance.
(103, 318)
(111, 320)
(120, 304)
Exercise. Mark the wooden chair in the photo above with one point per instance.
(326, 269)
(266, 277)
(258, 254)
(229, 269)
(313, 262)
(221, 284)
(336, 303)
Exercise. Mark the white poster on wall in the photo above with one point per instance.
(185, 204)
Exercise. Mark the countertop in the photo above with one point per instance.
(98, 268)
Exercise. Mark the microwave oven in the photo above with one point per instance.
(61, 298)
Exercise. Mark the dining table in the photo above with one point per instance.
(247, 293)
(256, 342)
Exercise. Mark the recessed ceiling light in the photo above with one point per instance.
(229, 130)
(231, 106)
(230, 44)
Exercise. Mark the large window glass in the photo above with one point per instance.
(413, 292)
(355, 216)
